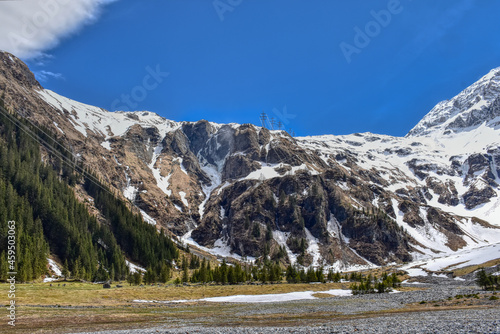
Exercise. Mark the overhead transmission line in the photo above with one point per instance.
(50, 148)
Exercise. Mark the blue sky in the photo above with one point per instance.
(230, 63)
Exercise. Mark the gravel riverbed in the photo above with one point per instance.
(353, 315)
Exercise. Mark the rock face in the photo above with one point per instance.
(246, 191)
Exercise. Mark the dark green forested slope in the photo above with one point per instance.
(49, 218)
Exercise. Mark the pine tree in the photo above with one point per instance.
(112, 273)
(311, 275)
(223, 272)
(76, 269)
(185, 274)
(291, 274)
(65, 272)
(137, 278)
(149, 276)
(130, 279)
(319, 275)
(164, 273)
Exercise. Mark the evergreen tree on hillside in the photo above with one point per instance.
(37, 195)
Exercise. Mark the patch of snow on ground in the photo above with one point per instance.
(460, 259)
(147, 218)
(133, 267)
(415, 272)
(343, 186)
(183, 198)
(268, 171)
(264, 173)
(220, 248)
(425, 235)
(440, 275)
(106, 145)
(180, 160)
(333, 227)
(313, 247)
(130, 192)
(56, 269)
(281, 238)
(267, 298)
(342, 266)
(215, 180)
(58, 128)
(161, 181)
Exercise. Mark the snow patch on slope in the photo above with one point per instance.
(161, 181)
(459, 259)
(147, 218)
(183, 198)
(220, 249)
(313, 247)
(215, 179)
(133, 268)
(281, 238)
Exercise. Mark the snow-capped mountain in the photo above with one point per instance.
(245, 191)
(477, 105)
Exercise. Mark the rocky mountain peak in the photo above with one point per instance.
(477, 104)
(12, 68)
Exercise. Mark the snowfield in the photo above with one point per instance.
(56, 269)
(133, 267)
(268, 298)
(456, 260)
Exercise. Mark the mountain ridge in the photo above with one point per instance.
(245, 191)
(464, 110)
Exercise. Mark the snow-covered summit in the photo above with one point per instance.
(476, 105)
(102, 122)
(108, 124)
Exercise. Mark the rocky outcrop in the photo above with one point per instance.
(446, 191)
(475, 197)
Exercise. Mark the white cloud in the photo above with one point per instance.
(32, 26)
(44, 76)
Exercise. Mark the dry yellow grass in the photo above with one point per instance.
(86, 294)
(469, 269)
(113, 309)
(322, 295)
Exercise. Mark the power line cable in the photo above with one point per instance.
(13, 119)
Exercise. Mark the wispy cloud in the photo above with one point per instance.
(30, 27)
(44, 76)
